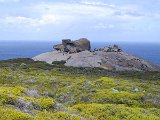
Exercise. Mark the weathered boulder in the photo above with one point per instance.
(73, 46)
(115, 48)
(26, 106)
(32, 93)
(59, 47)
(66, 41)
(82, 44)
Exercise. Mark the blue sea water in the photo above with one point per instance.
(29, 49)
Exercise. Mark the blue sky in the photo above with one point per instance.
(97, 20)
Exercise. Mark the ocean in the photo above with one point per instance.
(29, 49)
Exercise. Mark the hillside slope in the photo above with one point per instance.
(38, 91)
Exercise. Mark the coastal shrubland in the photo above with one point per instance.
(38, 91)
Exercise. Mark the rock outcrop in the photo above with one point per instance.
(73, 46)
(115, 48)
(110, 58)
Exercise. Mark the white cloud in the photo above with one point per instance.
(30, 22)
(63, 18)
(84, 14)
(89, 10)
(104, 26)
(3, 1)
(93, 3)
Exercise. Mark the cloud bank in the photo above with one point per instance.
(81, 18)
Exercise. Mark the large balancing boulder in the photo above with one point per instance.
(69, 46)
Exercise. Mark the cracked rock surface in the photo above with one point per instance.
(108, 60)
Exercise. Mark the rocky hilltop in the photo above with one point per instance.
(78, 53)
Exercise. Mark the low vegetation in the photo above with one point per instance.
(38, 91)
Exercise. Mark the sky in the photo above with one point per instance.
(97, 20)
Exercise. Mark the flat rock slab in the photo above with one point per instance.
(50, 57)
(108, 60)
(84, 59)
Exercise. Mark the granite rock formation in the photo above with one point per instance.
(110, 58)
(70, 46)
(115, 48)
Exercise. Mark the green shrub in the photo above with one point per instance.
(7, 113)
(44, 103)
(114, 112)
(117, 97)
(10, 93)
(56, 116)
